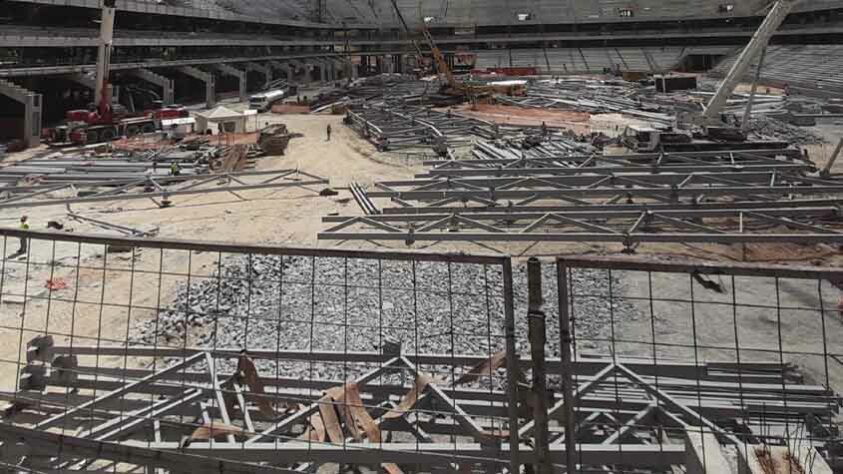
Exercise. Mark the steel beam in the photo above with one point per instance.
(241, 79)
(60, 418)
(82, 79)
(32, 104)
(166, 84)
(774, 19)
(233, 183)
(307, 70)
(284, 66)
(208, 79)
(265, 70)
(665, 193)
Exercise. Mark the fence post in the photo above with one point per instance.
(512, 365)
(566, 350)
(538, 338)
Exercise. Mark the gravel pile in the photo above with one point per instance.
(768, 127)
(330, 304)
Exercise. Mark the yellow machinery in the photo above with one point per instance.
(453, 87)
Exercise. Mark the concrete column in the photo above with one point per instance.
(208, 79)
(339, 68)
(352, 70)
(307, 67)
(265, 70)
(32, 120)
(241, 78)
(282, 66)
(168, 86)
(91, 83)
(332, 69)
(323, 70)
(32, 104)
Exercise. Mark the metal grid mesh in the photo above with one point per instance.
(129, 355)
(250, 354)
(743, 356)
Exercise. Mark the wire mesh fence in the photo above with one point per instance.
(131, 355)
(736, 366)
(290, 359)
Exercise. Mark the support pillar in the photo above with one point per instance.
(91, 83)
(266, 71)
(241, 79)
(284, 67)
(323, 70)
(339, 68)
(208, 79)
(168, 95)
(332, 69)
(353, 73)
(307, 67)
(32, 104)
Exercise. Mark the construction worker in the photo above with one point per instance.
(544, 129)
(175, 169)
(24, 225)
(329, 132)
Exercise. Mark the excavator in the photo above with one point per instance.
(710, 125)
(104, 122)
(452, 87)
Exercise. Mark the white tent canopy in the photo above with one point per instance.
(221, 119)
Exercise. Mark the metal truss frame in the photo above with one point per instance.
(703, 197)
(181, 408)
(149, 187)
(123, 411)
(392, 127)
(685, 162)
(795, 225)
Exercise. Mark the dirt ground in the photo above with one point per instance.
(95, 306)
(508, 115)
(283, 217)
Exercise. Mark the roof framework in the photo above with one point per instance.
(719, 197)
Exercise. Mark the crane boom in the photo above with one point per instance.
(106, 41)
(420, 55)
(759, 41)
(441, 64)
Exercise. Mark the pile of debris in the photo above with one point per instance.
(250, 307)
(274, 139)
(769, 127)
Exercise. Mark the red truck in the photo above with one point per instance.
(86, 127)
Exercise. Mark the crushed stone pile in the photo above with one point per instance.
(332, 304)
(768, 127)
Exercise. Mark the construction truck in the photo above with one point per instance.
(645, 139)
(83, 127)
(709, 129)
(104, 121)
(463, 90)
(648, 139)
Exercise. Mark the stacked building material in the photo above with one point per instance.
(706, 197)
